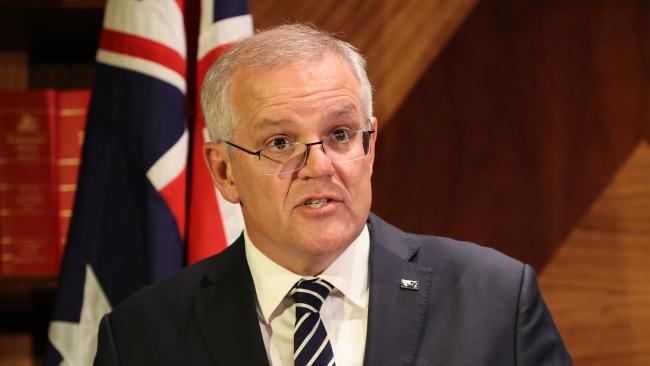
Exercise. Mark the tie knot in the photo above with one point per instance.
(309, 294)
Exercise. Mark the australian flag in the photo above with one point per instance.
(127, 228)
(213, 222)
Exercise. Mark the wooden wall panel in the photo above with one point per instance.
(598, 282)
(529, 133)
(399, 38)
(518, 125)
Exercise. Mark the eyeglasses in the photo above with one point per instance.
(284, 156)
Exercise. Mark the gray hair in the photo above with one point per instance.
(266, 49)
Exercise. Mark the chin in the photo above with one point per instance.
(333, 240)
(325, 235)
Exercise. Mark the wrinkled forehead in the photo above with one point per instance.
(315, 82)
(250, 71)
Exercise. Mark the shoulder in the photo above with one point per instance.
(457, 260)
(176, 293)
(178, 287)
(158, 325)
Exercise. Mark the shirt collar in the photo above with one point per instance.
(348, 273)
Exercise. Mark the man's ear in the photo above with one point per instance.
(219, 165)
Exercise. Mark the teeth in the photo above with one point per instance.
(314, 203)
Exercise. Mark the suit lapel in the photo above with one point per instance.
(396, 315)
(224, 307)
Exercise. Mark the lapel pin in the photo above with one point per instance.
(410, 284)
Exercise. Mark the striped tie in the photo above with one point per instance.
(310, 344)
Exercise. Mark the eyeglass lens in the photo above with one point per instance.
(291, 157)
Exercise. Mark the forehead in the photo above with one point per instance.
(295, 90)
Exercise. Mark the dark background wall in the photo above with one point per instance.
(519, 123)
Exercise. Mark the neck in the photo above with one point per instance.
(306, 266)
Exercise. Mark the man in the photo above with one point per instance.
(316, 279)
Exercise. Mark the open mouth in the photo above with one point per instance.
(317, 203)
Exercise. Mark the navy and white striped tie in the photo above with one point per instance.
(311, 347)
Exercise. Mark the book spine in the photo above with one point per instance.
(28, 224)
(72, 113)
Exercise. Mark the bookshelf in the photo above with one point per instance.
(45, 44)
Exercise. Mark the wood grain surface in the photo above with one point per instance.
(518, 125)
(598, 283)
(399, 38)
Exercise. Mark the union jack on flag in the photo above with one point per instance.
(129, 219)
(213, 222)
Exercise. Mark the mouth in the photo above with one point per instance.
(317, 202)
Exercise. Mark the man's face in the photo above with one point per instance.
(301, 101)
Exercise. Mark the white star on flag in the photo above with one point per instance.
(77, 342)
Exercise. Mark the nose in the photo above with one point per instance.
(316, 162)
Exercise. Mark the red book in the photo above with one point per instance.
(28, 218)
(72, 112)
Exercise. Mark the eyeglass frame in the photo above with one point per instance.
(258, 153)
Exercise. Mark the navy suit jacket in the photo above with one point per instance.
(474, 306)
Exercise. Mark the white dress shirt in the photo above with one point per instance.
(344, 312)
